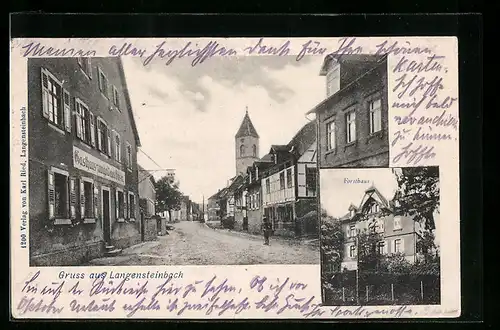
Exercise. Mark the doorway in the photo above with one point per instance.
(106, 210)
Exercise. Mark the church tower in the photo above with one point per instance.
(246, 143)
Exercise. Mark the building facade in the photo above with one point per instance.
(375, 215)
(83, 179)
(252, 195)
(147, 192)
(289, 186)
(353, 119)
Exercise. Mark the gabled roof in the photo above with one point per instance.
(370, 193)
(376, 195)
(303, 139)
(279, 147)
(246, 128)
(268, 158)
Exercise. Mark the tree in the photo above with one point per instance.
(369, 258)
(332, 241)
(168, 196)
(426, 245)
(417, 194)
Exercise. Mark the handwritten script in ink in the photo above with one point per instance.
(424, 103)
(140, 295)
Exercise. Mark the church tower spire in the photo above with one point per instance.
(246, 143)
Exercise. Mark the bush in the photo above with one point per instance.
(228, 222)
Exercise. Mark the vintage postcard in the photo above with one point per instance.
(236, 178)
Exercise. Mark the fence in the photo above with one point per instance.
(381, 289)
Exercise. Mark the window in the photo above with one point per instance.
(60, 198)
(381, 247)
(103, 137)
(352, 251)
(330, 136)
(131, 208)
(282, 180)
(86, 199)
(289, 182)
(254, 150)
(379, 226)
(397, 223)
(374, 208)
(351, 126)
(333, 80)
(242, 150)
(375, 116)
(116, 98)
(129, 156)
(352, 231)
(86, 66)
(397, 245)
(118, 148)
(352, 213)
(257, 200)
(52, 99)
(103, 83)
(268, 186)
(120, 205)
(84, 123)
(311, 181)
(250, 176)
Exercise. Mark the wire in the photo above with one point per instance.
(140, 149)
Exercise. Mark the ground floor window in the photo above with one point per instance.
(87, 198)
(131, 203)
(120, 205)
(59, 208)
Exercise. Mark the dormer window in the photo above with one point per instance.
(333, 80)
(352, 212)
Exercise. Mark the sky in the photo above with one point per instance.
(337, 196)
(187, 116)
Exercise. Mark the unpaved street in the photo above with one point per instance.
(193, 243)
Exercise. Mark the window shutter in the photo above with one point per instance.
(92, 128)
(99, 135)
(117, 205)
(67, 110)
(109, 142)
(89, 65)
(96, 200)
(127, 205)
(51, 193)
(45, 96)
(67, 206)
(353, 126)
(72, 198)
(82, 199)
(78, 121)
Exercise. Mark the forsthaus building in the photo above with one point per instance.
(375, 214)
(353, 119)
(83, 180)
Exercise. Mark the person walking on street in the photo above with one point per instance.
(266, 226)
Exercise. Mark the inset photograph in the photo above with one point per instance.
(380, 236)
